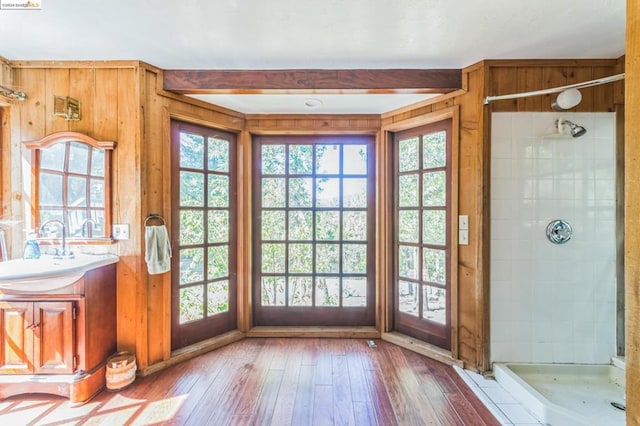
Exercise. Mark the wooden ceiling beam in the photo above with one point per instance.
(312, 81)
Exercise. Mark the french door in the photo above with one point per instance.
(313, 227)
(422, 233)
(203, 269)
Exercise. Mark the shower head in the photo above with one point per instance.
(575, 130)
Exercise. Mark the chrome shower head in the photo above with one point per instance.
(575, 130)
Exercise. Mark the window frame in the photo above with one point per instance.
(36, 148)
(326, 315)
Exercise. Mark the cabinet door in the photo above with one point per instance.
(53, 338)
(16, 337)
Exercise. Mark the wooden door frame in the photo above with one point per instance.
(385, 229)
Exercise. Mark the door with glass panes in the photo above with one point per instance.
(203, 269)
(313, 232)
(422, 233)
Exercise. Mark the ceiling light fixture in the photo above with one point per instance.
(312, 103)
(567, 99)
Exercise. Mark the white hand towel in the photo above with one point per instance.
(157, 249)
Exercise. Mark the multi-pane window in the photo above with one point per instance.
(71, 188)
(314, 223)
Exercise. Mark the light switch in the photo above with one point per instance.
(463, 237)
(463, 221)
(120, 231)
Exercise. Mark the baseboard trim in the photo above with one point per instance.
(193, 351)
(422, 348)
(330, 332)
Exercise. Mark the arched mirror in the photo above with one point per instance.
(71, 185)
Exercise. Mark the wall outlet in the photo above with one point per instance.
(120, 231)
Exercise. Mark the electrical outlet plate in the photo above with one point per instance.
(120, 231)
(463, 237)
(463, 221)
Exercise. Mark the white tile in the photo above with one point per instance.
(543, 168)
(522, 168)
(501, 188)
(517, 414)
(603, 148)
(605, 189)
(542, 353)
(543, 189)
(501, 331)
(501, 168)
(501, 311)
(500, 352)
(604, 169)
(501, 125)
(563, 189)
(501, 148)
(493, 409)
(522, 127)
(501, 229)
(522, 352)
(500, 209)
(604, 126)
(499, 395)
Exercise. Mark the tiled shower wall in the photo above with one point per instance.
(552, 303)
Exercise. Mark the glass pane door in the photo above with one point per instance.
(422, 233)
(313, 231)
(204, 261)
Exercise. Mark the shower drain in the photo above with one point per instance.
(618, 406)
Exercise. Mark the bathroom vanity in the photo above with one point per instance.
(57, 325)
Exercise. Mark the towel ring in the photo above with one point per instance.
(154, 216)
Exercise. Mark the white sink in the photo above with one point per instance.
(48, 273)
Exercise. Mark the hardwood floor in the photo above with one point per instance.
(288, 381)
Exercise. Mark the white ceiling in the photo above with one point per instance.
(314, 34)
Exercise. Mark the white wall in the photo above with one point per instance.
(552, 303)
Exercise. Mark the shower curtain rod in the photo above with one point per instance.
(596, 82)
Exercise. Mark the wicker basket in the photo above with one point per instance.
(121, 371)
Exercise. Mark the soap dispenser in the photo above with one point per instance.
(31, 247)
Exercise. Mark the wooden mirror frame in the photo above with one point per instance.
(52, 139)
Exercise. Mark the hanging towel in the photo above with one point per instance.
(157, 249)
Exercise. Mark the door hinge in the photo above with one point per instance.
(74, 312)
(75, 362)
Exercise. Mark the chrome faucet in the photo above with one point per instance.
(63, 229)
(90, 224)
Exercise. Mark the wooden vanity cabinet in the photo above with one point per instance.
(58, 341)
(37, 337)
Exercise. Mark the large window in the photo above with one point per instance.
(314, 231)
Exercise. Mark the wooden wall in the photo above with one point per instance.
(507, 77)
(632, 213)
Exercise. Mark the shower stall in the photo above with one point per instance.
(554, 303)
